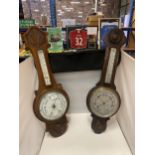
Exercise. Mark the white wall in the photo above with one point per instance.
(125, 83)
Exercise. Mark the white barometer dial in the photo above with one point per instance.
(53, 105)
(110, 65)
(104, 102)
(44, 67)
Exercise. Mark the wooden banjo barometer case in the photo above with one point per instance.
(103, 101)
(51, 102)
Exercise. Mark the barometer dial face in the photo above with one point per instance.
(103, 102)
(53, 105)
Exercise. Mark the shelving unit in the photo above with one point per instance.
(75, 61)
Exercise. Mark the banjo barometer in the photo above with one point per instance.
(51, 102)
(103, 101)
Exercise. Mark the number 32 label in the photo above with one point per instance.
(78, 41)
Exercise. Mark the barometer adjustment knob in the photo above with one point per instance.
(115, 37)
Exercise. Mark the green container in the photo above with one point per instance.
(55, 40)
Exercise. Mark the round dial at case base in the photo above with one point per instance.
(53, 105)
(104, 102)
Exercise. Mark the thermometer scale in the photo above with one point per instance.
(110, 65)
(44, 67)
